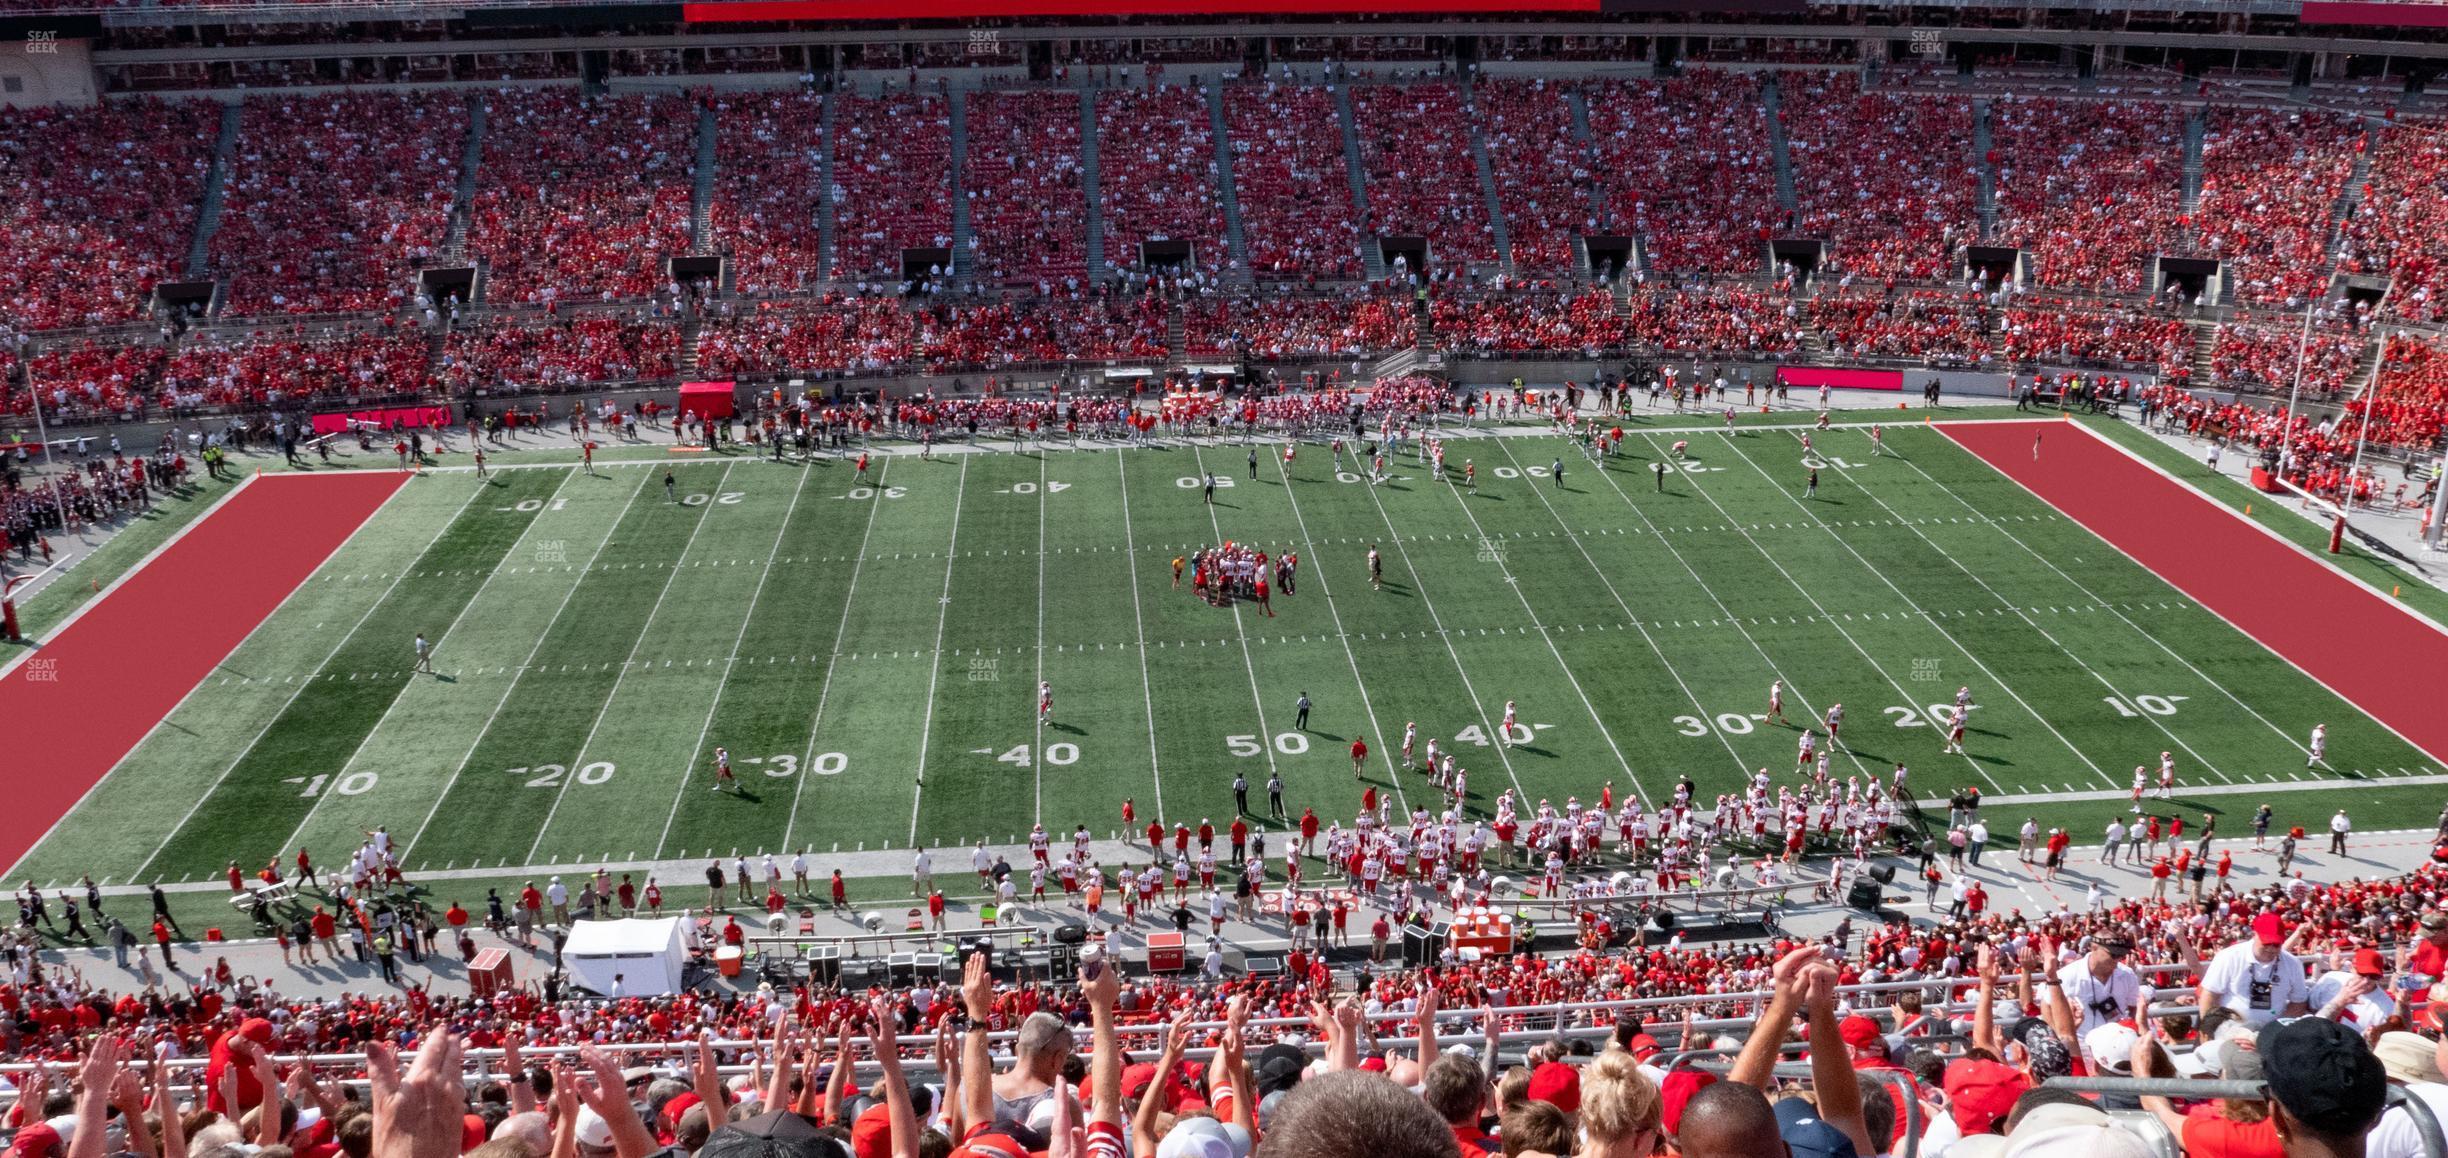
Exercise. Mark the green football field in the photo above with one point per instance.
(869, 655)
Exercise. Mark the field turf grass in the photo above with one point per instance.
(869, 656)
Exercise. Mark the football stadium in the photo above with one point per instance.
(1624, 578)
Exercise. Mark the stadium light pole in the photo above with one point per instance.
(2303, 347)
(2363, 431)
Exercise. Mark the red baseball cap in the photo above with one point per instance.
(36, 1140)
(2368, 963)
(1677, 1090)
(1861, 1032)
(1558, 1085)
(1980, 1093)
(1645, 1047)
(2269, 929)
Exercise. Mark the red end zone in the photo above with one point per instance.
(101, 682)
(2348, 636)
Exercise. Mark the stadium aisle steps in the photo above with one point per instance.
(216, 181)
(1236, 240)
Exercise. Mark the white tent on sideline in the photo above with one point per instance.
(646, 955)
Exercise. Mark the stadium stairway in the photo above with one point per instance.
(2350, 199)
(1577, 102)
(463, 200)
(2194, 131)
(1987, 172)
(701, 193)
(1372, 258)
(958, 102)
(1236, 239)
(1090, 186)
(216, 182)
(1771, 107)
(826, 212)
(1487, 184)
(2205, 350)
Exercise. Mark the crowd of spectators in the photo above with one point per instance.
(1156, 174)
(839, 333)
(1298, 325)
(2295, 986)
(2408, 404)
(892, 181)
(581, 197)
(329, 201)
(267, 367)
(1028, 201)
(558, 352)
(1542, 170)
(1076, 327)
(101, 206)
(1889, 178)
(1415, 149)
(1938, 327)
(2069, 333)
(90, 379)
(1685, 164)
(2093, 188)
(1716, 319)
(2400, 228)
(2263, 356)
(1587, 322)
(768, 190)
(1291, 182)
(2269, 182)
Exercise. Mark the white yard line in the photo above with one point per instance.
(730, 663)
(824, 694)
(578, 761)
(400, 696)
(338, 642)
(2078, 584)
(1513, 581)
(1866, 566)
(1147, 686)
(2251, 788)
(943, 611)
(1858, 649)
(1266, 738)
(535, 649)
(1740, 766)
(1037, 756)
(1485, 722)
(1791, 684)
(114, 585)
(1317, 560)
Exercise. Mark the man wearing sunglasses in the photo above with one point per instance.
(2101, 987)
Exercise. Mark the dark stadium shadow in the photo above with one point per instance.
(441, 678)
(1329, 737)
(1534, 750)
(1067, 729)
(743, 795)
(1487, 496)
(1397, 589)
